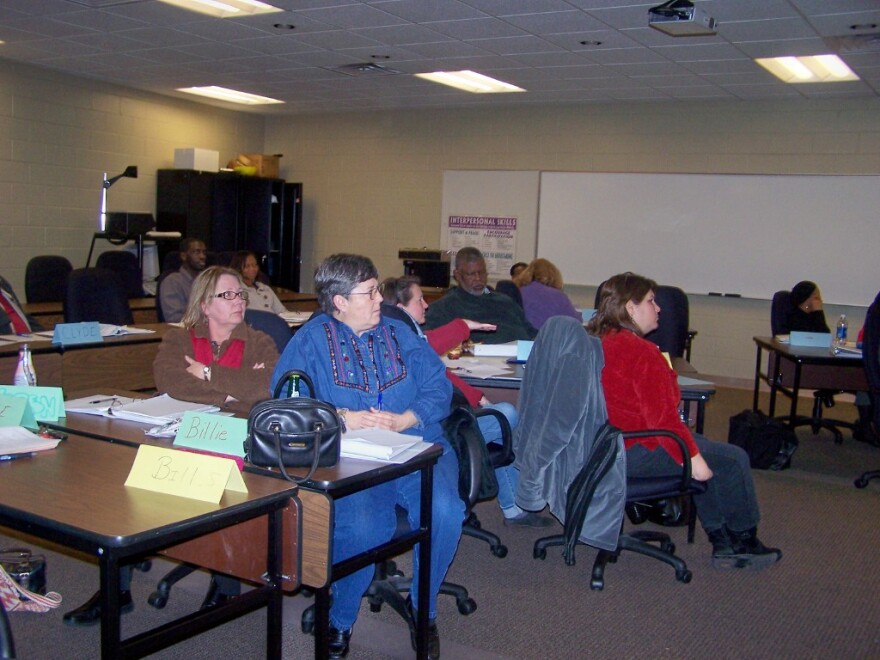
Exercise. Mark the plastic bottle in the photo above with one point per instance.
(293, 386)
(840, 335)
(24, 370)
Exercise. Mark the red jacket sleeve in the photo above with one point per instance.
(448, 336)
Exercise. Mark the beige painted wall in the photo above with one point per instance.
(59, 134)
(373, 181)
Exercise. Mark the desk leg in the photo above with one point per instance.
(701, 415)
(110, 617)
(426, 497)
(274, 614)
(7, 644)
(322, 622)
(757, 381)
(795, 392)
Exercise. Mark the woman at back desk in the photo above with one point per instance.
(806, 313)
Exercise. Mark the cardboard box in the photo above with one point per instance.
(266, 165)
(192, 158)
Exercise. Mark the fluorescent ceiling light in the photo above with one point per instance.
(476, 83)
(231, 95)
(225, 8)
(812, 69)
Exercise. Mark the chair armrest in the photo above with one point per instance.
(686, 473)
(505, 456)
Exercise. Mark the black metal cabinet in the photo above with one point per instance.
(233, 212)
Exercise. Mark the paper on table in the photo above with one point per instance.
(109, 330)
(19, 440)
(295, 318)
(97, 404)
(496, 350)
(34, 336)
(378, 444)
(478, 368)
(160, 409)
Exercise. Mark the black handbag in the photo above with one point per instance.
(294, 432)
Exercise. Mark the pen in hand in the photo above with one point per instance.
(379, 404)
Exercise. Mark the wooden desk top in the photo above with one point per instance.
(77, 493)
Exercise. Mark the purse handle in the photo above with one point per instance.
(287, 376)
(275, 427)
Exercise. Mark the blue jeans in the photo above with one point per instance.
(508, 476)
(367, 519)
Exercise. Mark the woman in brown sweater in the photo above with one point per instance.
(216, 357)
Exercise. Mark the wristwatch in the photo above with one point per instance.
(342, 412)
(206, 373)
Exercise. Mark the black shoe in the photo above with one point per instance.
(89, 613)
(338, 643)
(751, 552)
(528, 519)
(723, 553)
(433, 633)
(214, 596)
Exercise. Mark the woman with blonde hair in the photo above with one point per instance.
(540, 285)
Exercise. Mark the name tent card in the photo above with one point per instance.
(184, 474)
(47, 403)
(219, 434)
(16, 411)
(69, 334)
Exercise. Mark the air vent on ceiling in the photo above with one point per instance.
(854, 43)
(103, 4)
(365, 69)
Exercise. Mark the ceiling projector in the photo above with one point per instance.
(679, 18)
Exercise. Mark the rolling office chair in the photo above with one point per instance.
(272, 324)
(509, 289)
(871, 357)
(96, 294)
(673, 335)
(562, 429)
(124, 264)
(45, 278)
(780, 324)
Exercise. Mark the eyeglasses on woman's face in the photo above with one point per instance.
(232, 295)
(372, 292)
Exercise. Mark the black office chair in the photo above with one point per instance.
(780, 324)
(871, 357)
(96, 294)
(45, 278)
(272, 324)
(124, 264)
(673, 335)
(509, 289)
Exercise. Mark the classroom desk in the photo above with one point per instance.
(789, 368)
(48, 314)
(83, 504)
(117, 363)
(317, 496)
(500, 388)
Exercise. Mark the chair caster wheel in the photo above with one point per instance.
(539, 553)
(597, 585)
(685, 576)
(860, 483)
(668, 546)
(500, 551)
(144, 566)
(468, 606)
(158, 600)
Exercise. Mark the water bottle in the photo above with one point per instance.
(840, 335)
(293, 386)
(24, 370)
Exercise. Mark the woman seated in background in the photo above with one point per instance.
(215, 358)
(260, 296)
(641, 392)
(405, 293)
(806, 313)
(540, 285)
(378, 374)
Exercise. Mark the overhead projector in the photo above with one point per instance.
(680, 18)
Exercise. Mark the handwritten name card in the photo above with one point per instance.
(219, 434)
(184, 474)
(68, 334)
(47, 403)
(16, 411)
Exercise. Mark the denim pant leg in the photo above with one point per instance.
(507, 476)
(730, 494)
(730, 497)
(447, 516)
(362, 520)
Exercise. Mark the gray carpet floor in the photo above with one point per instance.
(819, 602)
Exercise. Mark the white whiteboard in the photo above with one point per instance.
(736, 234)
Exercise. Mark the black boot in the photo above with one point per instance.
(433, 633)
(864, 429)
(89, 613)
(338, 643)
(751, 552)
(723, 553)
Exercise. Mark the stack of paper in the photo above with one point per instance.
(19, 440)
(496, 350)
(295, 318)
(97, 404)
(160, 409)
(109, 330)
(378, 444)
